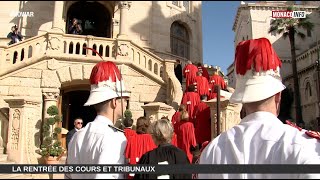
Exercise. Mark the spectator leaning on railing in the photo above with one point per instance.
(14, 35)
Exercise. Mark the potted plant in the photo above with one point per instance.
(51, 148)
(128, 115)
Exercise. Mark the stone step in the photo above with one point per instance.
(3, 157)
(7, 162)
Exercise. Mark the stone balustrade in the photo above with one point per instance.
(26, 50)
(67, 46)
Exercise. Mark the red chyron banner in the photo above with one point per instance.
(289, 14)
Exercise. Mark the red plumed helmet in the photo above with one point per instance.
(257, 68)
(106, 82)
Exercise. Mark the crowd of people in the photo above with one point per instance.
(260, 137)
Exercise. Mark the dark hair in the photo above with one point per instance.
(143, 125)
(127, 122)
(199, 64)
(77, 118)
(191, 88)
(203, 97)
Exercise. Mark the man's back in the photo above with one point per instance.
(261, 138)
(97, 143)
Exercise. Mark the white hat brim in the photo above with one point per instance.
(256, 89)
(103, 94)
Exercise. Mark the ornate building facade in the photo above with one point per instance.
(50, 66)
(253, 21)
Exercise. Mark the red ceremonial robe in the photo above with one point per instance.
(190, 73)
(204, 72)
(137, 146)
(186, 138)
(175, 119)
(216, 80)
(202, 85)
(202, 123)
(190, 99)
(174, 140)
(128, 132)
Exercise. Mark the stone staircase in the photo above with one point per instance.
(4, 160)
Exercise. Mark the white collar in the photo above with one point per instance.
(261, 115)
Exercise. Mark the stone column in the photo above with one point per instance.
(157, 110)
(124, 7)
(50, 97)
(57, 17)
(24, 129)
(229, 115)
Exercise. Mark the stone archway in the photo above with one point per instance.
(95, 17)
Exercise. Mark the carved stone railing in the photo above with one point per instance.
(27, 50)
(69, 47)
(54, 45)
(151, 63)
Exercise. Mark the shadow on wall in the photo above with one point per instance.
(43, 13)
(160, 26)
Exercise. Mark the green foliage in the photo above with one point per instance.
(51, 145)
(128, 114)
(53, 110)
(57, 118)
(46, 133)
(55, 136)
(51, 121)
(46, 127)
(57, 130)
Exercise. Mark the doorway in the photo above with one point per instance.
(95, 18)
(72, 107)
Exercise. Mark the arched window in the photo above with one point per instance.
(179, 44)
(308, 90)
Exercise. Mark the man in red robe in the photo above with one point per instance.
(202, 122)
(204, 71)
(216, 79)
(191, 99)
(189, 72)
(202, 84)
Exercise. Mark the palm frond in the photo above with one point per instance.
(281, 30)
(300, 34)
(285, 35)
(305, 24)
(273, 29)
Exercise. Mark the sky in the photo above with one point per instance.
(217, 35)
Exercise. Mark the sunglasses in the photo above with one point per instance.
(79, 123)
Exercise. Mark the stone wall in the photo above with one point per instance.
(148, 24)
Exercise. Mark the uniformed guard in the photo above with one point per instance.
(260, 137)
(100, 142)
